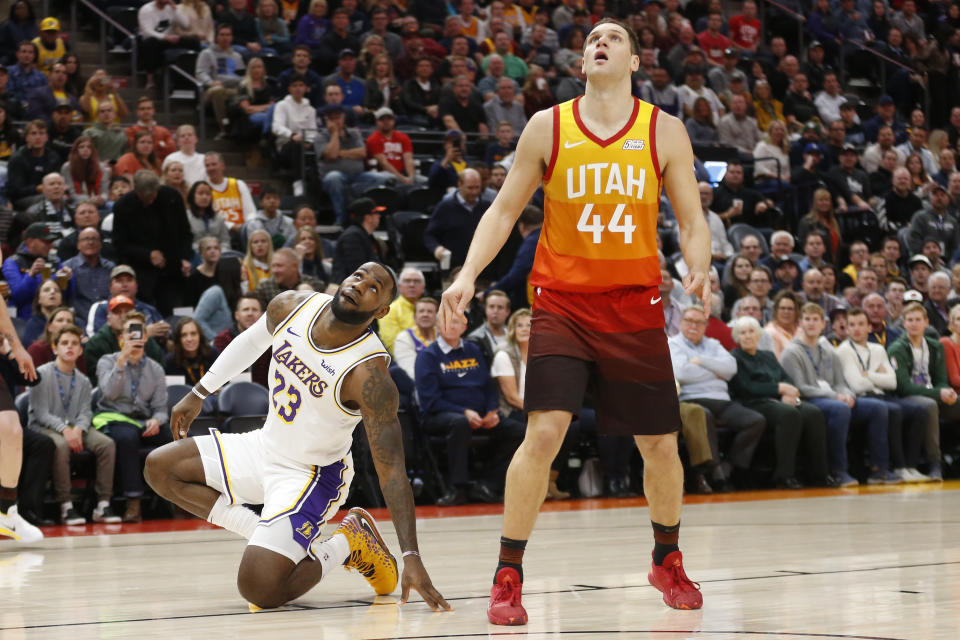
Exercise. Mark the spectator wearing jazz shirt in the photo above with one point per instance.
(920, 364)
(163, 144)
(411, 341)
(152, 234)
(411, 285)
(294, 124)
(392, 150)
(186, 154)
(246, 313)
(60, 410)
(231, 196)
(26, 269)
(133, 408)
(217, 69)
(457, 397)
(503, 107)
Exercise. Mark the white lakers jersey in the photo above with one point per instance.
(307, 422)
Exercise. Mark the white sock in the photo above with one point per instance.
(332, 552)
(235, 518)
(66, 506)
(103, 504)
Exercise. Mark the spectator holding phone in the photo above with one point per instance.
(133, 407)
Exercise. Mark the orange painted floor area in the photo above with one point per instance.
(195, 524)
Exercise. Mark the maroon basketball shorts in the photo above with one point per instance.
(613, 342)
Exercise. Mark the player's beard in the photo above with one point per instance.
(349, 316)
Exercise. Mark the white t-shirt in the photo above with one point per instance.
(503, 367)
(193, 167)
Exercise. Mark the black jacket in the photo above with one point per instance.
(26, 171)
(354, 248)
(163, 226)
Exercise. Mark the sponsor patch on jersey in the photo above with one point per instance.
(634, 145)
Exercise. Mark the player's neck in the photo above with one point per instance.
(607, 105)
(330, 333)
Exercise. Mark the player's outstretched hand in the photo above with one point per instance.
(697, 283)
(415, 576)
(183, 415)
(455, 300)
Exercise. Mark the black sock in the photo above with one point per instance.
(8, 498)
(665, 541)
(511, 555)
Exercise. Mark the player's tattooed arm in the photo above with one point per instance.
(371, 387)
(379, 400)
(281, 306)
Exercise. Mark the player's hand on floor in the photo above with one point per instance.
(415, 577)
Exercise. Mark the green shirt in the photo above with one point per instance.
(901, 357)
(758, 376)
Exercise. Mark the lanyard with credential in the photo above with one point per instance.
(135, 382)
(65, 400)
(881, 337)
(816, 365)
(865, 367)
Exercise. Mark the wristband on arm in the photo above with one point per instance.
(239, 355)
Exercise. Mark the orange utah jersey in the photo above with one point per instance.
(600, 210)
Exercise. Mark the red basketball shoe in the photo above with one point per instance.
(679, 591)
(504, 607)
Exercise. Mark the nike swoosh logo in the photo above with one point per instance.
(460, 375)
(654, 300)
(568, 145)
(291, 332)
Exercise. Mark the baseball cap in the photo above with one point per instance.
(918, 259)
(122, 269)
(847, 147)
(50, 24)
(811, 126)
(884, 99)
(453, 133)
(815, 44)
(382, 112)
(849, 104)
(912, 296)
(332, 108)
(938, 187)
(785, 259)
(39, 230)
(62, 106)
(346, 52)
(730, 52)
(364, 206)
(812, 147)
(118, 301)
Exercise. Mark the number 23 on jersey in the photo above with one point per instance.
(289, 402)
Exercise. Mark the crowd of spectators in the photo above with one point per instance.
(131, 254)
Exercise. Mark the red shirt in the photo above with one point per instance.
(713, 46)
(718, 330)
(393, 148)
(745, 32)
(163, 144)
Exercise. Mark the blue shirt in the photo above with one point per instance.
(93, 283)
(706, 379)
(514, 283)
(454, 379)
(22, 82)
(352, 91)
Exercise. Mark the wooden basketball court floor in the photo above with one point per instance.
(880, 563)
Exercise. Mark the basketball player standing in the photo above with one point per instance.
(602, 158)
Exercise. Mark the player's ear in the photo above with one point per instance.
(634, 62)
(382, 312)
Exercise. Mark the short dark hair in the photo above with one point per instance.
(856, 311)
(269, 189)
(302, 47)
(634, 40)
(248, 296)
(340, 11)
(224, 25)
(35, 124)
(531, 216)
(143, 99)
(70, 328)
